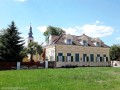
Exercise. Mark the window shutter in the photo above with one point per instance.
(63, 59)
(71, 58)
(106, 58)
(100, 59)
(87, 58)
(57, 58)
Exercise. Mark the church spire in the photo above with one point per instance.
(30, 32)
(30, 37)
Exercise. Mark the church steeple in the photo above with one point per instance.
(30, 32)
(30, 37)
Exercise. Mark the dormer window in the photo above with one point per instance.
(97, 43)
(85, 43)
(69, 41)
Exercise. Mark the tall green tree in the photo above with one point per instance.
(52, 31)
(11, 44)
(115, 52)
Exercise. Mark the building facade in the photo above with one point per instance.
(71, 50)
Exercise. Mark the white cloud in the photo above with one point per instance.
(97, 30)
(118, 38)
(97, 22)
(21, 0)
(94, 30)
(42, 28)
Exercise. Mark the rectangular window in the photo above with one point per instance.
(97, 44)
(60, 54)
(69, 41)
(77, 57)
(84, 42)
(98, 57)
(60, 57)
(104, 58)
(68, 57)
(84, 57)
(91, 57)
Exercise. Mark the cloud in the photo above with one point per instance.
(93, 30)
(20, 0)
(42, 28)
(118, 38)
(97, 30)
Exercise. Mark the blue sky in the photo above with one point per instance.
(96, 18)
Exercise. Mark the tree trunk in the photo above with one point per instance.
(31, 58)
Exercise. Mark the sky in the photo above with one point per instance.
(95, 18)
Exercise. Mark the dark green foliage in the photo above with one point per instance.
(115, 52)
(31, 50)
(11, 44)
(39, 49)
(34, 48)
(52, 31)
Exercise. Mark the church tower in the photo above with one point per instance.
(30, 37)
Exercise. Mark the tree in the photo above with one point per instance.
(52, 31)
(115, 52)
(39, 51)
(31, 50)
(11, 44)
(34, 48)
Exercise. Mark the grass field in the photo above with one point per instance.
(83, 78)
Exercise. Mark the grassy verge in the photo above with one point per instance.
(83, 78)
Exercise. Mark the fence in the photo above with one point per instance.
(26, 65)
(51, 64)
(8, 65)
(32, 64)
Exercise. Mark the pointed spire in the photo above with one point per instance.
(30, 32)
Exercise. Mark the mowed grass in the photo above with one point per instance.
(82, 78)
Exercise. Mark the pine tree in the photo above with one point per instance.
(11, 44)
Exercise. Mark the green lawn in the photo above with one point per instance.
(82, 78)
